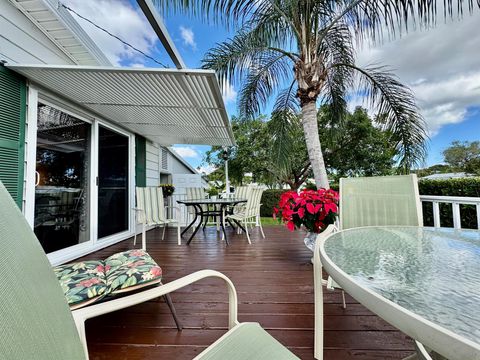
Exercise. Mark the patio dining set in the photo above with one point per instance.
(424, 281)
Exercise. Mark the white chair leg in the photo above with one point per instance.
(135, 236)
(144, 238)
(246, 231)
(163, 232)
(179, 240)
(344, 304)
(261, 227)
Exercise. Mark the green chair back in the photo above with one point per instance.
(150, 200)
(36, 322)
(380, 200)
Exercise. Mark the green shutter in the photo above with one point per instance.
(13, 95)
(140, 161)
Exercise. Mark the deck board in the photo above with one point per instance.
(274, 280)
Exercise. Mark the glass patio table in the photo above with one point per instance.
(219, 205)
(424, 281)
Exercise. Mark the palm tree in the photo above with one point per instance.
(303, 52)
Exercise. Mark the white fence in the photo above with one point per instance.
(455, 202)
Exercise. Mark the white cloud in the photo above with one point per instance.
(208, 169)
(440, 65)
(228, 92)
(121, 19)
(188, 37)
(187, 152)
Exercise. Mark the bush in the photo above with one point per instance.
(466, 187)
(270, 199)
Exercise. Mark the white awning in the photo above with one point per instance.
(167, 106)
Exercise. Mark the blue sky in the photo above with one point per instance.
(441, 66)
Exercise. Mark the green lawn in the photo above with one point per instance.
(270, 221)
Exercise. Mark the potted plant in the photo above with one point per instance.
(167, 189)
(212, 192)
(312, 210)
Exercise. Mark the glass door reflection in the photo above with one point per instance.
(62, 178)
(112, 182)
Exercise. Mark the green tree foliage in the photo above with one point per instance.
(356, 147)
(275, 152)
(249, 155)
(463, 156)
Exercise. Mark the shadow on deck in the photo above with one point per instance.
(274, 281)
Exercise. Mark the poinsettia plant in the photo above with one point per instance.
(312, 209)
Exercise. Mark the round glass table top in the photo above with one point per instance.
(432, 272)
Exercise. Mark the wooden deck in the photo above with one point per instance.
(274, 280)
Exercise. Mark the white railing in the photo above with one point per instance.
(456, 201)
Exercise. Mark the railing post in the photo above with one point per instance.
(456, 215)
(478, 216)
(436, 214)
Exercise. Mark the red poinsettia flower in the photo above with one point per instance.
(313, 210)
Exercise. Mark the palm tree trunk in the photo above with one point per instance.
(310, 130)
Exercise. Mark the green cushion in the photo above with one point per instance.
(86, 282)
(82, 283)
(129, 270)
(247, 341)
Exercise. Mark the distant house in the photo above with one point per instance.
(446, 176)
(77, 135)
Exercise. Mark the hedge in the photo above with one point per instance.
(466, 187)
(270, 199)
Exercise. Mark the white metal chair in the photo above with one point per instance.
(250, 211)
(378, 201)
(194, 193)
(150, 211)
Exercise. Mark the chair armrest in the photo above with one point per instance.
(83, 314)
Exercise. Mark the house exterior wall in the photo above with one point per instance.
(22, 42)
(153, 167)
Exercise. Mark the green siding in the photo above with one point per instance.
(140, 161)
(13, 97)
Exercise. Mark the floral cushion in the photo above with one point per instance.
(86, 282)
(129, 270)
(83, 282)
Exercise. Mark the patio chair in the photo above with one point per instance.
(38, 324)
(378, 201)
(194, 193)
(251, 211)
(150, 211)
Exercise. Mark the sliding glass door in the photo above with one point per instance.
(62, 193)
(112, 182)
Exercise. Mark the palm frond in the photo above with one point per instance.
(286, 100)
(398, 112)
(264, 78)
(282, 128)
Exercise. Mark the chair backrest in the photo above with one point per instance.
(380, 200)
(150, 200)
(194, 193)
(242, 192)
(36, 322)
(252, 207)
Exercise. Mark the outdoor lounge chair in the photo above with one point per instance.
(38, 324)
(150, 211)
